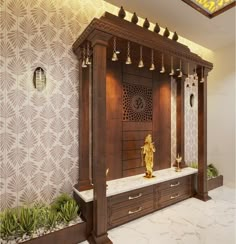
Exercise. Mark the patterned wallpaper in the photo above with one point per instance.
(191, 122)
(39, 130)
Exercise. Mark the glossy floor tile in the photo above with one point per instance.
(188, 222)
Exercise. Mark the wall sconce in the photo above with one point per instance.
(39, 79)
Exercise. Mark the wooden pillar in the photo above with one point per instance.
(99, 42)
(164, 123)
(202, 192)
(84, 177)
(180, 118)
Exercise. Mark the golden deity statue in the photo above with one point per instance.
(147, 153)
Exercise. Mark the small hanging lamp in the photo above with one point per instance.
(140, 64)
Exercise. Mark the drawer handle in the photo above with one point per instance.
(139, 195)
(136, 211)
(173, 197)
(172, 185)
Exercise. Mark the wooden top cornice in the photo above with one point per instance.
(115, 26)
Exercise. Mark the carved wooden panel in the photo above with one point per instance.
(137, 103)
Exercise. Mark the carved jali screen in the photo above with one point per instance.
(137, 103)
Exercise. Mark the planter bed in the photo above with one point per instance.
(69, 235)
(215, 182)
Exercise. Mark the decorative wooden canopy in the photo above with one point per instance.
(115, 26)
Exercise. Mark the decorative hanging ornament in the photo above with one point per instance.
(152, 67)
(140, 64)
(114, 55)
(180, 69)
(162, 64)
(202, 79)
(128, 60)
(88, 61)
(172, 72)
(84, 65)
(188, 76)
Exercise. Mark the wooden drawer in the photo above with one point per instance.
(130, 205)
(126, 211)
(175, 183)
(131, 196)
(173, 191)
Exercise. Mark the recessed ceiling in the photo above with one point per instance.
(211, 8)
(187, 22)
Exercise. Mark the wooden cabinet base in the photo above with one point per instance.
(215, 182)
(69, 235)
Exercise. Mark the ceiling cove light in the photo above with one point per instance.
(211, 8)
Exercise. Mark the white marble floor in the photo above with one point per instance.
(188, 222)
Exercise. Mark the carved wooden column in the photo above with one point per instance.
(99, 42)
(202, 192)
(180, 118)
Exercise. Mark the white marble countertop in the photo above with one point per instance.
(137, 181)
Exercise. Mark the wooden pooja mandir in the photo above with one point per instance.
(119, 104)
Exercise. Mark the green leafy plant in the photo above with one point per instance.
(212, 171)
(8, 224)
(60, 201)
(69, 211)
(42, 211)
(194, 165)
(28, 220)
(51, 220)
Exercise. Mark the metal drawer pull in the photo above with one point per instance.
(172, 185)
(136, 211)
(173, 197)
(139, 195)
